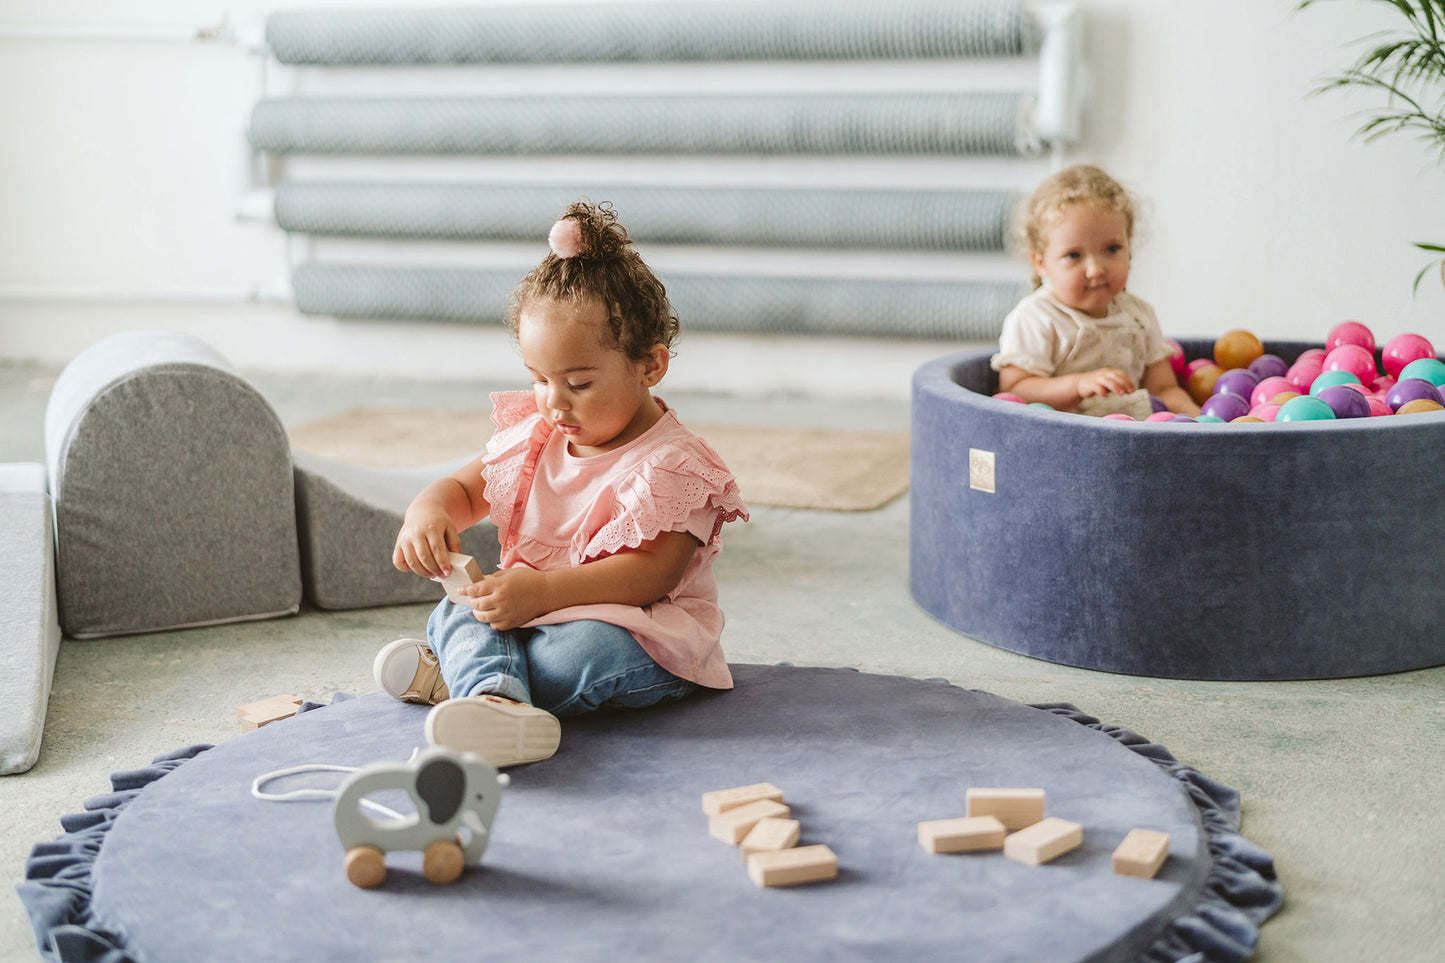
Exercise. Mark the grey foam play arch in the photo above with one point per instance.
(1254, 551)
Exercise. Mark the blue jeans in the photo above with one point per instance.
(567, 669)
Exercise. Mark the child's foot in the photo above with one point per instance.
(407, 670)
(503, 732)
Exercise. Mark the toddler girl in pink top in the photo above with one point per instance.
(609, 513)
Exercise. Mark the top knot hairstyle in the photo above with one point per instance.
(592, 257)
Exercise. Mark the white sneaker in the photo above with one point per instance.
(407, 669)
(503, 732)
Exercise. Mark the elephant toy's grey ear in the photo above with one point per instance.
(441, 784)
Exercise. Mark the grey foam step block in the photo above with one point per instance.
(29, 624)
(172, 484)
(348, 517)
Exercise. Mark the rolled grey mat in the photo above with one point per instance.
(878, 308)
(655, 32)
(763, 217)
(891, 123)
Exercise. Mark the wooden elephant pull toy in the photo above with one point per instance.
(456, 797)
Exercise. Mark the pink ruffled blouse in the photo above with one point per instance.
(556, 510)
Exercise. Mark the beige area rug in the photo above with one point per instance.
(788, 467)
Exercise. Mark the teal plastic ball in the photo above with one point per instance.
(1305, 408)
(1430, 369)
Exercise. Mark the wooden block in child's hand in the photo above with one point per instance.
(1045, 840)
(731, 826)
(789, 867)
(1141, 853)
(1015, 808)
(465, 571)
(254, 715)
(770, 834)
(961, 835)
(724, 799)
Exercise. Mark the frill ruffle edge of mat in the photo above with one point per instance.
(1240, 893)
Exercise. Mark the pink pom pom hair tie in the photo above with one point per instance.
(565, 238)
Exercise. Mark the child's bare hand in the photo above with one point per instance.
(1105, 381)
(423, 543)
(509, 598)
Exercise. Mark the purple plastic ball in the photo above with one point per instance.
(1157, 404)
(1345, 401)
(1238, 381)
(1225, 406)
(1182, 418)
(1409, 389)
(1268, 366)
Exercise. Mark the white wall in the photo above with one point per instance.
(120, 162)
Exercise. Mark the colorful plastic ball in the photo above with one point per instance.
(1176, 356)
(1268, 366)
(1194, 366)
(1182, 418)
(1419, 407)
(1225, 405)
(1407, 390)
(1401, 350)
(1308, 353)
(1041, 404)
(1303, 372)
(1378, 406)
(1428, 369)
(1247, 420)
(1331, 379)
(1118, 416)
(1305, 408)
(1268, 388)
(1345, 402)
(1268, 411)
(1161, 416)
(1354, 359)
(1200, 383)
(1210, 420)
(1157, 403)
(1238, 381)
(1383, 385)
(1283, 396)
(1237, 349)
(1350, 332)
(1009, 396)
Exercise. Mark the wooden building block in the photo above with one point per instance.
(1043, 841)
(254, 715)
(722, 800)
(731, 826)
(1015, 808)
(770, 834)
(465, 571)
(1141, 853)
(789, 867)
(961, 835)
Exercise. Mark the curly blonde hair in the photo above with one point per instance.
(1080, 184)
(608, 268)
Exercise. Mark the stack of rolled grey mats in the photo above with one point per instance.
(171, 498)
(725, 129)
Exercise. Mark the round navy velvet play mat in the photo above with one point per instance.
(603, 852)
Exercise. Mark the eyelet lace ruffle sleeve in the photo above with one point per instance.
(521, 432)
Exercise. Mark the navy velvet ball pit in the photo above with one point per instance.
(1181, 550)
(602, 852)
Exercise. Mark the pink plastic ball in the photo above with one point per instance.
(1378, 406)
(1312, 353)
(1195, 365)
(1161, 415)
(1303, 373)
(1383, 385)
(1268, 388)
(1402, 349)
(1176, 356)
(1009, 396)
(1355, 359)
(1118, 416)
(1265, 412)
(1350, 332)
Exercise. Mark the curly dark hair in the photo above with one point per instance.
(609, 269)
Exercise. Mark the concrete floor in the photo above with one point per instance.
(1342, 780)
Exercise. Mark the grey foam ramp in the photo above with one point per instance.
(29, 623)
(348, 517)
(171, 480)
